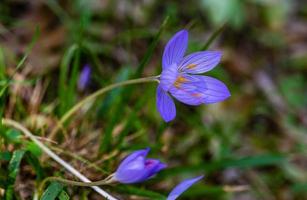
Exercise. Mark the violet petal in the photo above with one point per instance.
(181, 187)
(197, 89)
(165, 105)
(200, 62)
(175, 49)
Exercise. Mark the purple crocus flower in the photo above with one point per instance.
(137, 168)
(84, 77)
(181, 187)
(178, 77)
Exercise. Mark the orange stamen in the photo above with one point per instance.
(191, 66)
(179, 81)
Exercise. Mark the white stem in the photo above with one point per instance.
(50, 153)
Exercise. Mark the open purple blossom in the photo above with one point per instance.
(137, 168)
(179, 78)
(84, 77)
(181, 187)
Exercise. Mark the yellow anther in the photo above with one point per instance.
(191, 66)
(179, 81)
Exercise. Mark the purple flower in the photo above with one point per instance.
(181, 187)
(178, 77)
(84, 77)
(137, 168)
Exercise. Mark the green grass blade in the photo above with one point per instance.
(5, 156)
(2, 78)
(151, 49)
(13, 170)
(15, 163)
(14, 166)
(3, 178)
(63, 196)
(72, 84)
(242, 163)
(2, 65)
(29, 49)
(139, 72)
(299, 188)
(58, 10)
(115, 94)
(34, 162)
(214, 35)
(12, 136)
(52, 191)
(133, 190)
(114, 101)
(204, 190)
(62, 89)
(20, 63)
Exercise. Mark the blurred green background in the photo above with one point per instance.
(251, 146)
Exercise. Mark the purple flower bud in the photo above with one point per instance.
(181, 187)
(84, 77)
(137, 168)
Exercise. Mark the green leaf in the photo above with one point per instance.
(5, 156)
(63, 196)
(3, 178)
(14, 164)
(9, 192)
(13, 136)
(133, 190)
(34, 162)
(52, 191)
(293, 88)
(34, 149)
(225, 10)
(13, 170)
(299, 188)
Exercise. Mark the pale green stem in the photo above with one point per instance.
(16, 125)
(96, 94)
(109, 180)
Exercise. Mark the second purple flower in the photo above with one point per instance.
(136, 167)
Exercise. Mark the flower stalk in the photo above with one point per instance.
(96, 94)
(109, 180)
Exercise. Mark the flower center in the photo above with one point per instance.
(168, 77)
(148, 163)
(179, 81)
